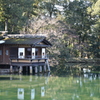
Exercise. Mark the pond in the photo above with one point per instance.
(49, 86)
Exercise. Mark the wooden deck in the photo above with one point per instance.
(28, 61)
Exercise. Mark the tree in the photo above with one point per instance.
(49, 8)
(16, 13)
(95, 29)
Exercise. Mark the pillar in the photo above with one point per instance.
(45, 68)
(48, 65)
(40, 69)
(36, 69)
(31, 70)
(26, 69)
(20, 70)
(48, 68)
(11, 69)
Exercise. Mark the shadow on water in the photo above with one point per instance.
(75, 69)
(4, 78)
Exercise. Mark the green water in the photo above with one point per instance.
(84, 86)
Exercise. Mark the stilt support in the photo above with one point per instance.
(48, 68)
(20, 70)
(45, 68)
(31, 70)
(26, 69)
(40, 69)
(48, 65)
(11, 69)
(36, 69)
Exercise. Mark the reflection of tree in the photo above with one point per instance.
(75, 69)
(70, 88)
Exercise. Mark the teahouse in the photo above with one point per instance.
(24, 53)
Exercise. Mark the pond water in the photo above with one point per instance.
(50, 86)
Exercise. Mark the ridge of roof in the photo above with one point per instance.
(25, 36)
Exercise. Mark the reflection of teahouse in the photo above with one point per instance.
(42, 91)
(32, 94)
(21, 93)
(23, 52)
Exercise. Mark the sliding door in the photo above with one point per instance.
(33, 53)
(21, 52)
(43, 52)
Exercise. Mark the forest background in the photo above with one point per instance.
(72, 26)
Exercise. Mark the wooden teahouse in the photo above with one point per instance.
(24, 53)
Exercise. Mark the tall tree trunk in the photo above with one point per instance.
(6, 25)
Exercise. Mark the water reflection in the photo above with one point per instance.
(32, 94)
(76, 86)
(20, 93)
(42, 91)
(22, 87)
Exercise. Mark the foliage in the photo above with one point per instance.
(95, 29)
(15, 13)
(73, 27)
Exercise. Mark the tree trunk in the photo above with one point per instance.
(6, 25)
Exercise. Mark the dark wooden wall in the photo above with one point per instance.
(6, 54)
(1, 56)
(12, 50)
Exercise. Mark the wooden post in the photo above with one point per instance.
(36, 69)
(40, 68)
(48, 68)
(31, 70)
(45, 68)
(11, 69)
(20, 70)
(26, 69)
(48, 65)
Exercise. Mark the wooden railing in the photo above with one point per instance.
(28, 57)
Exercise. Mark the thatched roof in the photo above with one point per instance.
(24, 35)
(33, 40)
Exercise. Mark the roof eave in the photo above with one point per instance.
(37, 45)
